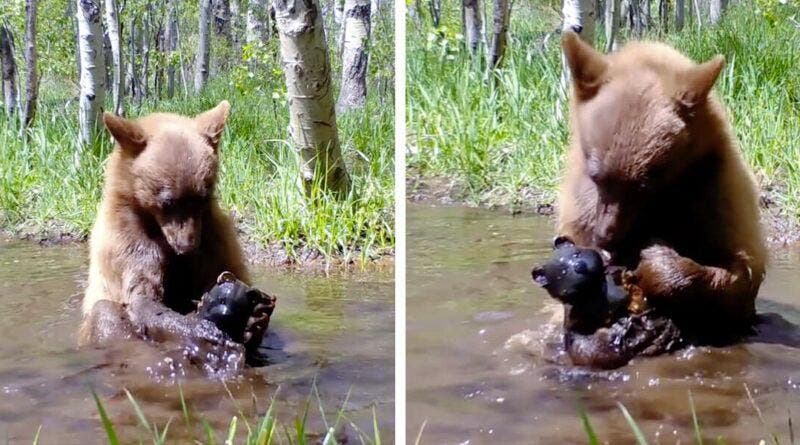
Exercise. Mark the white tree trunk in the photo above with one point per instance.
(9, 69)
(338, 17)
(133, 73)
(221, 12)
(624, 6)
(374, 8)
(182, 67)
(353, 93)
(435, 7)
(234, 20)
(257, 22)
(32, 77)
(714, 11)
(171, 44)
(145, 42)
(203, 46)
(112, 25)
(93, 70)
(312, 119)
(696, 7)
(612, 24)
(473, 28)
(579, 17)
(500, 19)
(680, 9)
(637, 20)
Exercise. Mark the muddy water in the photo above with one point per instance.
(469, 292)
(337, 331)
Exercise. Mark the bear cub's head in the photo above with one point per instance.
(643, 118)
(168, 169)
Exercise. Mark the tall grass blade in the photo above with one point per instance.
(695, 423)
(139, 413)
(418, 440)
(300, 423)
(587, 427)
(106, 422)
(267, 428)
(185, 411)
(36, 437)
(238, 408)
(774, 437)
(637, 432)
(162, 439)
(211, 438)
(231, 431)
(375, 429)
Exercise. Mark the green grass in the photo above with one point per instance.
(697, 431)
(498, 139)
(242, 429)
(48, 185)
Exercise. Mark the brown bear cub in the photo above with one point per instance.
(160, 239)
(654, 177)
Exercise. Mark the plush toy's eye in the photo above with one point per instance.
(581, 267)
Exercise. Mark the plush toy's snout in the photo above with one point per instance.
(539, 277)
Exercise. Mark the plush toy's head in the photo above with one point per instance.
(572, 274)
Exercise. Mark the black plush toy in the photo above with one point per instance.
(576, 276)
(606, 322)
(241, 311)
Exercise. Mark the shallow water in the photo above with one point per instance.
(469, 291)
(337, 331)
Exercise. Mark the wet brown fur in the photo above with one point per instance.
(653, 175)
(160, 238)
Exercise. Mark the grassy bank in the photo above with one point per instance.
(49, 186)
(502, 143)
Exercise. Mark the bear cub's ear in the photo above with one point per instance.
(698, 81)
(587, 66)
(128, 134)
(211, 123)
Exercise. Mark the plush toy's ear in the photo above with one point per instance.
(562, 241)
(128, 134)
(586, 65)
(697, 82)
(211, 123)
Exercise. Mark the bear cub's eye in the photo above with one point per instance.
(165, 199)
